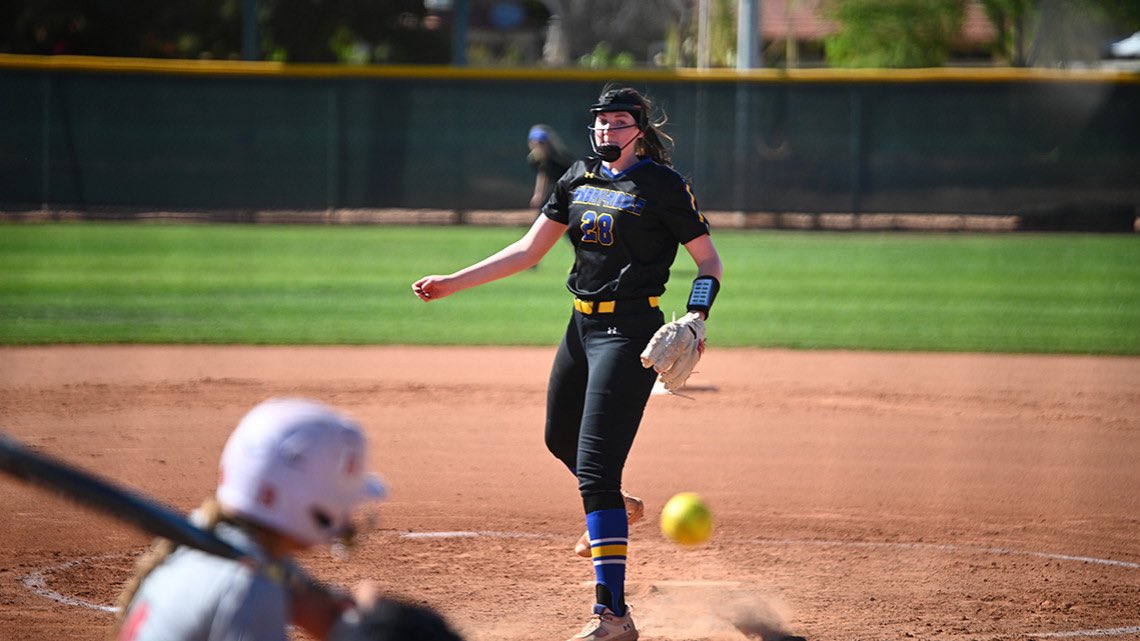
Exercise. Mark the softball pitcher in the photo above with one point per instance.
(627, 212)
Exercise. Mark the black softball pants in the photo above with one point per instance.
(596, 397)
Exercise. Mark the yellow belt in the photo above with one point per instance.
(608, 306)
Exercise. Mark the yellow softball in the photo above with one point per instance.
(686, 519)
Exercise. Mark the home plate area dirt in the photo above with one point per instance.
(855, 495)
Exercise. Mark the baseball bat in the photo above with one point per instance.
(152, 517)
(124, 504)
(114, 500)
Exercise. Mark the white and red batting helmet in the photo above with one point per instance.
(297, 467)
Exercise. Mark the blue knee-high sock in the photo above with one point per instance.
(609, 539)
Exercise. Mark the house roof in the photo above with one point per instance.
(805, 20)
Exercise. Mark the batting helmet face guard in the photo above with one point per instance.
(618, 100)
(297, 467)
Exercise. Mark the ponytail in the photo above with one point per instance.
(656, 144)
(160, 550)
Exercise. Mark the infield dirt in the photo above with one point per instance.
(856, 495)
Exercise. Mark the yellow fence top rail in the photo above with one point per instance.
(98, 64)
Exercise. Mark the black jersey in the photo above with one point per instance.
(625, 228)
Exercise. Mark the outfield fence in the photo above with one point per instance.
(94, 135)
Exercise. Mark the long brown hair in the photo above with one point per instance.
(160, 550)
(210, 514)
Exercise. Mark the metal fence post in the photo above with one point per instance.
(856, 150)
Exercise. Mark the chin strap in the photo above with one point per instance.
(607, 153)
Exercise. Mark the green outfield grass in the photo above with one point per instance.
(261, 284)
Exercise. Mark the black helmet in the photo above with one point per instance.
(626, 100)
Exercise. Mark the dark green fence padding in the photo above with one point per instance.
(98, 134)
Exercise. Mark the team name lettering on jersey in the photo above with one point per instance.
(608, 198)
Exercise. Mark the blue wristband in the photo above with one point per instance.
(703, 294)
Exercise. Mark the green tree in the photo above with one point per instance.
(639, 28)
(893, 33)
(722, 33)
(349, 31)
(603, 57)
(1056, 31)
(109, 28)
(682, 36)
(1126, 13)
(295, 30)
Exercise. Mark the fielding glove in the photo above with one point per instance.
(674, 350)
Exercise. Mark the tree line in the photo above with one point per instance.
(593, 33)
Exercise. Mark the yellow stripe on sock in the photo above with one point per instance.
(609, 550)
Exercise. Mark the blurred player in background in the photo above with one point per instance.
(291, 475)
(549, 159)
(627, 212)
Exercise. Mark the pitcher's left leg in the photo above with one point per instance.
(616, 394)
